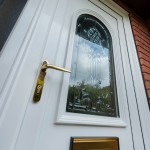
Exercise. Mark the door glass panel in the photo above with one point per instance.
(92, 81)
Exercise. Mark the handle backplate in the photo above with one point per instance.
(41, 77)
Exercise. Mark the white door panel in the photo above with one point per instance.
(46, 125)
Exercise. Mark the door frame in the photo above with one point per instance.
(28, 20)
(140, 98)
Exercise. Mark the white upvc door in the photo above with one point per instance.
(46, 31)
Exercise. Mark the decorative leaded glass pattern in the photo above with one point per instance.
(92, 81)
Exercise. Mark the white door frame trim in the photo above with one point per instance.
(140, 95)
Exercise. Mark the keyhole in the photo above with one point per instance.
(39, 87)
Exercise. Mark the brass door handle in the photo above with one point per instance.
(45, 66)
(41, 77)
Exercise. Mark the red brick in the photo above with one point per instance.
(141, 49)
(146, 43)
(147, 84)
(139, 43)
(148, 93)
(139, 26)
(146, 76)
(141, 55)
(139, 29)
(145, 69)
(136, 30)
(140, 36)
(144, 62)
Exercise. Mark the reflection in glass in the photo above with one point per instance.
(92, 86)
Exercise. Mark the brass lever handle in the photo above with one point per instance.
(46, 66)
(40, 81)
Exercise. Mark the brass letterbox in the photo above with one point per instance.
(94, 143)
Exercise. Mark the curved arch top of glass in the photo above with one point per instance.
(92, 82)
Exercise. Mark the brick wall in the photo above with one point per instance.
(141, 33)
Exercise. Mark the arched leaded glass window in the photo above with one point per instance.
(92, 81)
